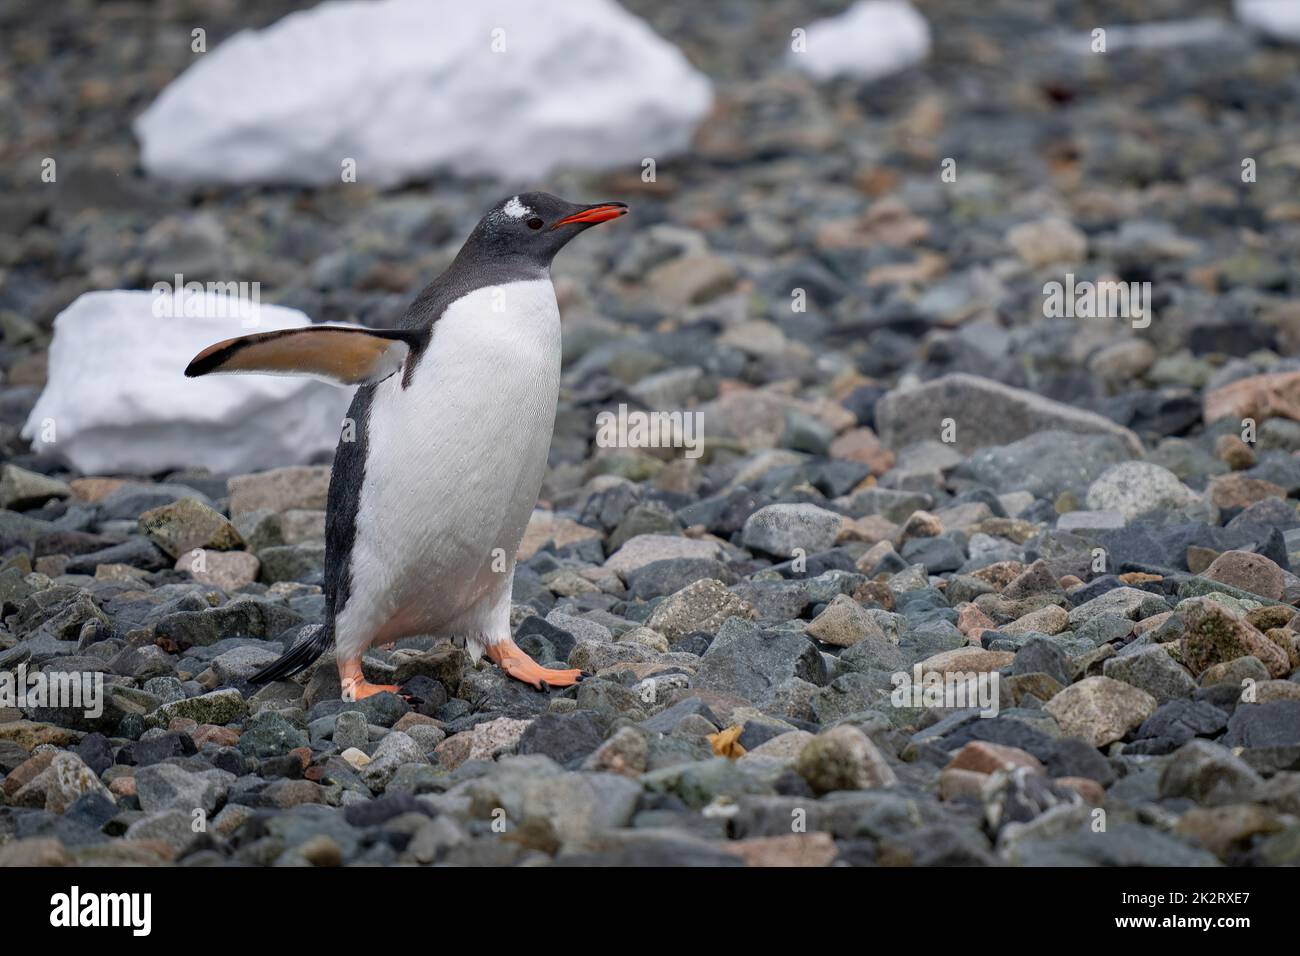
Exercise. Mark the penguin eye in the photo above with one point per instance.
(535, 223)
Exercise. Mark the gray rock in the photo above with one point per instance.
(782, 530)
(1154, 671)
(351, 729)
(1047, 464)
(394, 750)
(165, 786)
(1209, 774)
(1133, 488)
(986, 412)
(750, 661)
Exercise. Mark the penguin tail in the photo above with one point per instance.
(313, 642)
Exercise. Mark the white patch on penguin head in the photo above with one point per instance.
(516, 209)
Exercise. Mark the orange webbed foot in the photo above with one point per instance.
(507, 655)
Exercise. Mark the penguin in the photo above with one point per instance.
(452, 423)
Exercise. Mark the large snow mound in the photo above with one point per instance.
(511, 88)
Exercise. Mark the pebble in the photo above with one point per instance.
(844, 758)
(1100, 710)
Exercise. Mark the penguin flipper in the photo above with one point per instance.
(333, 354)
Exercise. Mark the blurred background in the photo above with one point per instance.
(783, 172)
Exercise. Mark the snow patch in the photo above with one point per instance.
(117, 401)
(870, 40)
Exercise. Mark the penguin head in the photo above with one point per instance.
(538, 225)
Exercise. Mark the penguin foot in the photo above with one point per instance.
(365, 689)
(356, 687)
(507, 655)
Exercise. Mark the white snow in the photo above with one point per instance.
(512, 88)
(1156, 35)
(1279, 19)
(117, 400)
(870, 40)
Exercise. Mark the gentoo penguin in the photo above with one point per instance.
(452, 425)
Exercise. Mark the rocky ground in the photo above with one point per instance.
(918, 469)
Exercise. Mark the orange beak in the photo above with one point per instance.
(601, 212)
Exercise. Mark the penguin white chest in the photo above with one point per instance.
(454, 462)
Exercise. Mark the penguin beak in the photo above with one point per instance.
(598, 212)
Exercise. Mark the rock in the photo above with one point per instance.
(34, 851)
(1209, 774)
(625, 752)
(1181, 720)
(1048, 242)
(1046, 620)
(557, 806)
(270, 735)
(1133, 488)
(792, 849)
(966, 660)
(351, 730)
(565, 738)
(164, 786)
(751, 662)
(1152, 669)
(1248, 571)
(242, 663)
(185, 525)
(545, 526)
(507, 73)
(1130, 603)
(393, 751)
(1090, 521)
(1239, 490)
(1226, 830)
(171, 828)
(1275, 723)
(1214, 634)
(60, 784)
(869, 40)
(279, 489)
(783, 530)
(982, 757)
(228, 570)
(844, 623)
(862, 445)
(844, 758)
(218, 707)
(1005, 414)
(1041, 656)
(702, 606)
(689, 280)
(136, 382)
(21, 489)
(1100, 710)
(645, 549)
(483, 742)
